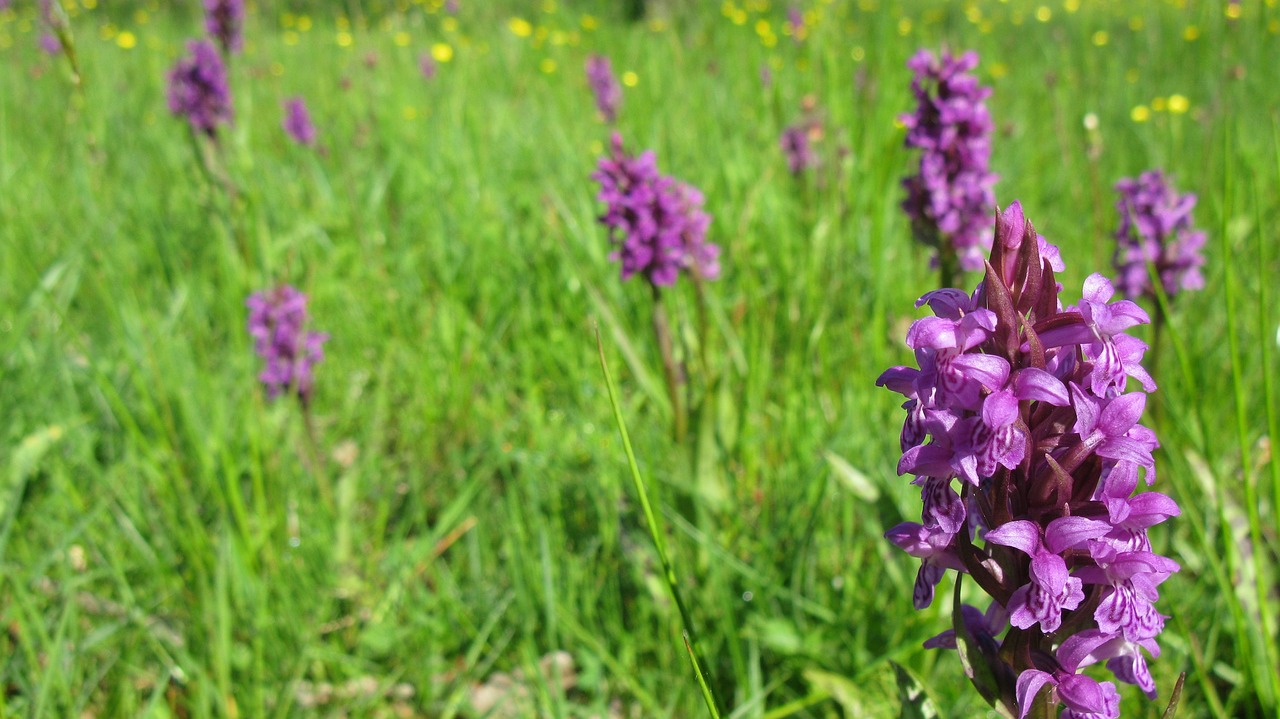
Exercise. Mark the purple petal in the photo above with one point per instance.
(1066, 532)
(1019, 534)
(1030, 682)
(1036, 384)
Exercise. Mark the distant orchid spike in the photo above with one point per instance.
(427, 66)
(1156, 234)
(797, 149)
(1025, 407)
(604, 86)
(950, 197)
(795, 25)
(224, 20)
(656, 221)
(198, 89)
(297, 122)
(278, 324)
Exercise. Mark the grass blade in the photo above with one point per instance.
(651, 521)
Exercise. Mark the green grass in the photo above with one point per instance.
(164, 551)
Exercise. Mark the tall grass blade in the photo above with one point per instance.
(655, 531)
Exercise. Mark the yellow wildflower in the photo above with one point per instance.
(630, 79)
(1178, 104)
(520, 27)
(1140, 114)
(402, 39)
(442, 52)
(1100, 38)
(126, 40)
(547, 65)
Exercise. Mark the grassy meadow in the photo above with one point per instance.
(456, 533)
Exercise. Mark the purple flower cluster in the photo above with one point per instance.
(1022, 403)
(604, 86)
(1155, 228)
(223, 20)
(656, 221)
(198, 88)
(950, 198)
(297, 122)
(277, 323)
(797, 148)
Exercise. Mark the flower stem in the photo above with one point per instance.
(670, 368)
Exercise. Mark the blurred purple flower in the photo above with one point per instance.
(604, 86)
(451, 7)
(223, 20)
(1021, 403)
(656, 221)
(198, 88)
(795, 26)
(950, 197)
(297, 122)
(766, 75)
(277, 323)
(50, 43)
(1156, 228)
(799, 152)
(427, 65)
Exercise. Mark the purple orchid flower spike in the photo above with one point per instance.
(950, 197)
(1156, 233)
(656, 221)
(1028, 451)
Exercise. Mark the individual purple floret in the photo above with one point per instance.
(950, 199)
(198, 88)
(797, 148)
(277, 323)
(604, 86)
(1023, 434)
(656, 221)
(223, 20)
(297, 122)
(1156, 228)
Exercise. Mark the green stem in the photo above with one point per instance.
(659, 544)
(671, 370)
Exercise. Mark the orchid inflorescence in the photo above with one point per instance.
(604, 86)
(297, 122)
(656, 221)
(1156, 228)
(278, 325)
(198, 88)
(224, 21)
(1022, 403)
(950, 197)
